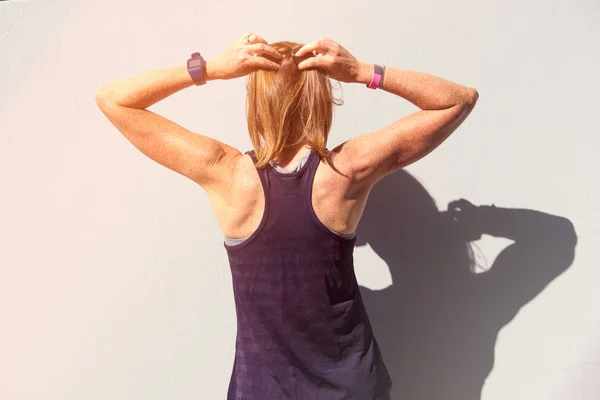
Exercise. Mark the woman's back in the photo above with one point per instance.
(336, 203)
(303, 331)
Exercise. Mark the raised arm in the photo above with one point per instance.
(369, 157)
(444, 106)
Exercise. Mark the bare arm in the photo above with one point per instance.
(369, 157)
(444, 106)
(207, 161)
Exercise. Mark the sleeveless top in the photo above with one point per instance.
(232, 241)
(303, 332)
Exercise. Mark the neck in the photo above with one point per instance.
(290, 154)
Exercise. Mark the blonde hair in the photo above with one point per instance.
(288, 107)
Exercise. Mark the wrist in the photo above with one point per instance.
(212, 70)
(364, 73)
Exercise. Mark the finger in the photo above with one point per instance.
(243, 38)
(263, 63)
(309, 47)
(263, 48)
(256, 39)
(252, 38)
(313, 62)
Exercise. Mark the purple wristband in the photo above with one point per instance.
(377, 72)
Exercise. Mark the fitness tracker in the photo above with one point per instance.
(377, 75)
(196, 67)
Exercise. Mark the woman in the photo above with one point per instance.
(289, 208)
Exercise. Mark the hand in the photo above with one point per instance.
(242, 57)
(333, 59)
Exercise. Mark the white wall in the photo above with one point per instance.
(114, 282)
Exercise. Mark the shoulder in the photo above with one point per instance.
(228, 173)
(339, 168)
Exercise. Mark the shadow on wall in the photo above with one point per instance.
(438, 322)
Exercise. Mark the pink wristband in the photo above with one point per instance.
(377, 72)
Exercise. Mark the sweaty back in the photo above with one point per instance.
(302, 329)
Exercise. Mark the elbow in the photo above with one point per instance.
(467, 102)
(103, 99)
(475, 96)
(471, 97)
(100, 96)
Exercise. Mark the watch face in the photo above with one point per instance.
(195, 63)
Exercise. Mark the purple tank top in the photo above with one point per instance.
(302, 329)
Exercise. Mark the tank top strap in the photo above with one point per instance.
(313, 163)
(303, 176)
(252, 155)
